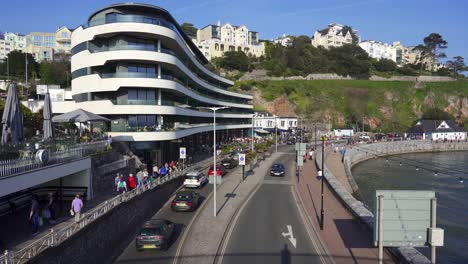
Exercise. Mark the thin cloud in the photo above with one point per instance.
(198, 5)
(320, 9)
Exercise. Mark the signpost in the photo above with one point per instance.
(406, 219)
(183, 155)
(242, 162)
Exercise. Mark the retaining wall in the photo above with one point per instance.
(107, 237)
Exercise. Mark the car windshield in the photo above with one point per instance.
(183, 196)
(277, 166)
(191, 177)
(151, 231)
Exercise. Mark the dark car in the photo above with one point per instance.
(277, 169)
(228, 163)
(185, 200)
(155, 234)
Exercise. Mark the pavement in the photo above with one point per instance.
(271, 227)
(201, 242)
(346, 240)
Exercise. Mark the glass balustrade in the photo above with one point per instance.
(177, 126)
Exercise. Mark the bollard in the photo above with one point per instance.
(6, 257)
(52, 237)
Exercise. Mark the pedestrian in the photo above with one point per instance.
(51, 207)
(116, 179)
(121, 186)
(311, 154)
(145, 176)
(155, 171)
(34, 215)
(76, 206)
(140, 175)
(131, 182)
(163, 171)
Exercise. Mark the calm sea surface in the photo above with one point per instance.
(452, 196)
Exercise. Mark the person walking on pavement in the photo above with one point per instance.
(121, 186)
(76, 206)
(131, 182)
(34, 215)
(51, 207)
(140, 176)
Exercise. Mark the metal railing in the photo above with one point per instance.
(56, 237)
(113, 166)
(16, 166)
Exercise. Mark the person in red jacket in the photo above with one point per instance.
(131, 182)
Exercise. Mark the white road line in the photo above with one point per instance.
(309, 232)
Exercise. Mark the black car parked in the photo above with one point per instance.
(155, 234)
(185, 200)
(277, 169)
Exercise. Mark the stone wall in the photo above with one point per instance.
(108, 236)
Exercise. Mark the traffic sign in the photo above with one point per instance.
(182, 153)
(241, 159)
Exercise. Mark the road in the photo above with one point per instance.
(181, 219)
(261, 233)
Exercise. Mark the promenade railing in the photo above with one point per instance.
(16, 166)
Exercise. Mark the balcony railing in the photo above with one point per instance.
(17, 166)
(170, 127)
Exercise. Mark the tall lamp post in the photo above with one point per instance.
(321, 179)
(252, 147)
(276, 133)
(215, 171)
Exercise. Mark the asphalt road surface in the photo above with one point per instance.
(181, 219)
(262, 233)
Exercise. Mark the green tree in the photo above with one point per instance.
(234, 60)
(189, 29)
(437, 114)
(350, 60)
(17, 61)
(55, 72)
(354, 36)
(385, 65)
(457, 65)
(434, 43)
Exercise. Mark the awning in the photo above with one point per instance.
(261, 131)
(78, 115)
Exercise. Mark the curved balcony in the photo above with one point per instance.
(173, 134)
(83, 60)
(81, 35)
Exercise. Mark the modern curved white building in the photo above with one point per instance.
(133, 64)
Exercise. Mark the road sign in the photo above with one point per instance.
(219, 180)
(406, 218)
(241, 159)
(182, 153)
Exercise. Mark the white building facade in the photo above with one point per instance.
(333, 35)
(17, 40)
(379, 50)
(269, 122)
(214, 40)
(133, 64)
(284, 40)
(5, 48)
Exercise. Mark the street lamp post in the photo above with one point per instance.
(323, 175)
(252, 147)
(215, 171)
(276, 133)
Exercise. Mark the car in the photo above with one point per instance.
(277, 169)
(220, 170)
(154, 234)
(185, 200)
(228, 163)
(195, 179)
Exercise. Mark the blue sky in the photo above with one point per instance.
(385, 20)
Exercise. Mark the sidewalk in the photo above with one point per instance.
(334, 164)
(206, 234)
(346, 240)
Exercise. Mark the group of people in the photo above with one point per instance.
(143, 177)
(41, 212)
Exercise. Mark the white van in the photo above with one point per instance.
(195, 179)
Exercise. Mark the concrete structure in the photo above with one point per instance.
(440, 130)
(332, 36)
(379, 50)
(284, 40)
(5, 48)
(17, 40)
(133, 64)
(267, 121)
(214, 40)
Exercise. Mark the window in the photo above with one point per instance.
(64, 35)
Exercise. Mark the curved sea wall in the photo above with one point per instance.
(361, 153)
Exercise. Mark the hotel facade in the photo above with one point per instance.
(133, 64)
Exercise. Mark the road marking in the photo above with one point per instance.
(321, 250)
(290, 235)
(276, 182)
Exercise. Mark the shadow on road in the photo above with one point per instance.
(285, 255)
(227, 197)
